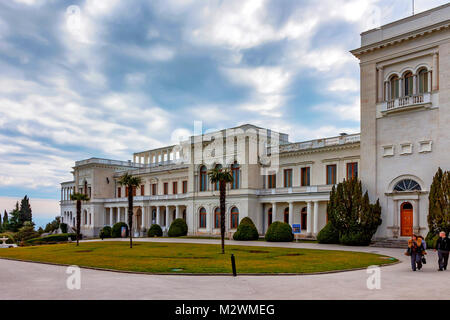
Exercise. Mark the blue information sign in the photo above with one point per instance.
(296, 229)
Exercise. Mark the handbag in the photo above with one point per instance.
(408, 252)
(424, 261)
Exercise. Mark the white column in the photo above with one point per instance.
(111, 217)
(414, 84)
(177, 210)
(416, 216)
(380, 84)
(119, 209)
(274, 212)
(167, 217)
(400, 87)
(291, 213)
(308, 217)
(158, 213)
(435, 73)
(143, 217)
(386, 89)
(316, 217)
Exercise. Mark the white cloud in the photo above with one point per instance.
(135, 79)
(344, 85)
(46, 208)
(342, 111)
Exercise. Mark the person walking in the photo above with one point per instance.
(416, 250)
(443, 249)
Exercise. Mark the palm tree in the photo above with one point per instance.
(78, 197)
(222, 177)
(130, 183)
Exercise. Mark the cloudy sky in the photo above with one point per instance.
(107, 78)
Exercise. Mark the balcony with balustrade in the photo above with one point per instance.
(423, 100)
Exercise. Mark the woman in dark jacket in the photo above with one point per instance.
(417, 250)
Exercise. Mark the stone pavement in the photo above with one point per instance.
(23, 280)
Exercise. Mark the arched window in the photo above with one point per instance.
(286, 215)
(203, 178)
(216, 186)
(407, 185)
(423, 81)
(217, 218)
(202, 215)
(269, 217)
(234, 218)
(235, 171)
(153, 216)
(304, 218)
(408, 84)
(394, 87)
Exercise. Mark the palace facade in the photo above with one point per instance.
(405, 137)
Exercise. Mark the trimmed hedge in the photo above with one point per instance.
(106, 231)
(178, 228)
(328, 234)
(54, 238)
(279, 232)
(355, 239)
(117, 230)
(246, 230)
(155, 231)
(63, 227)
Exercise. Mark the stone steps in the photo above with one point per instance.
(390, 243)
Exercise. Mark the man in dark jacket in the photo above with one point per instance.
(443, 249)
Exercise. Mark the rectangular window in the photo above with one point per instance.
(305, 176)
(184, 186)
(331, 174)
(154, 189)
(142, 190)
(352, 170)
(119, 192)
(166, 188)
(175, 187)
(126, 191)
(288, 178)
(134, 191)
(89, 192)
(272, 181)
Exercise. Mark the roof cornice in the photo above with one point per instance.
(401, 38)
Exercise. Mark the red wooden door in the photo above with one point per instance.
(406, 221)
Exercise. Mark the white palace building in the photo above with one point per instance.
(405, 137)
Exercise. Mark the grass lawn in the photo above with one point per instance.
(194, 258)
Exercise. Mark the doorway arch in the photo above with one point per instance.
(406, 219)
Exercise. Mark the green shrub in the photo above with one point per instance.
(355, 239)
(431, 240)
(178, 228)
(26, 233)
(246, 230)
(279, 232)
(106, 231)
(328, 234)
(117, 230)
(155, 231)
(54, 238)
(63, 227)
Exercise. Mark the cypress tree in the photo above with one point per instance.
(351, 213)
(25, 211)
(5, 221)
(439, 203)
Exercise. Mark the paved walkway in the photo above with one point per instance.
(22, 280)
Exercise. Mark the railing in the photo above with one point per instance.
(109, 162)
(410, 101)
(318, 143)
(160, 197)
(307, 189)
